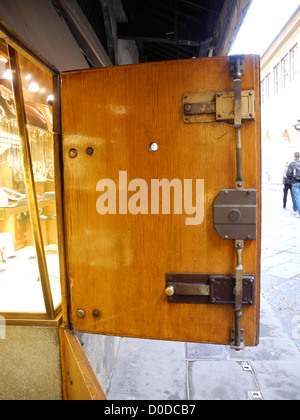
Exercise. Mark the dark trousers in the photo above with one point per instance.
(286, 190)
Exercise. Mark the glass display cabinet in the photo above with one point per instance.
(29, 277)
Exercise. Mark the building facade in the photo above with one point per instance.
(280, 88)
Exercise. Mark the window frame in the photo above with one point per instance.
(265, 87)
(276, 73)
(53, 315)
(285, 71)
(293, 60)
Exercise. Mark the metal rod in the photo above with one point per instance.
(238, 125)
(237, 74)
(29, 180)
(239, 294)
(239, 167)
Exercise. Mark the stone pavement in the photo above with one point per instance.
(155, 370)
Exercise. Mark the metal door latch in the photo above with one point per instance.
(212, 106)
(214, 289)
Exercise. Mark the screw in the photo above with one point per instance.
(96, 314)
(81, 313)
(188, 107)
(90, 151)
(73, 153)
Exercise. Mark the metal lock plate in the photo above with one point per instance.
(225, 106)
(235, 214)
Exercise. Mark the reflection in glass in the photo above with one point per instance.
(20, 285)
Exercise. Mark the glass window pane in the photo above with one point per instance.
(20, 287)
(38, 95)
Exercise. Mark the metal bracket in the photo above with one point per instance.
(233, 345)
(237, 66)
(208, 289)
(216, 106)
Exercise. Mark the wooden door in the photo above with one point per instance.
(78, 378)
(125, 128)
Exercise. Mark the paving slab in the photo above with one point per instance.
(220, 380)
(285, 271)
(149, 370)
(278, 380)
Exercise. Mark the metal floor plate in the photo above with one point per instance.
(205, 351)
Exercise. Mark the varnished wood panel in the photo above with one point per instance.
(79, 381)
(117, 263)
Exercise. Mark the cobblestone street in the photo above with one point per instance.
(281, 259)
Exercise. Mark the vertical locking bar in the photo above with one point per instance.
(237, 71)
(239, 296)
(237, 74)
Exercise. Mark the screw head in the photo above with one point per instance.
(96, 314)
(81, 313)
(73, 153)
(89, 151)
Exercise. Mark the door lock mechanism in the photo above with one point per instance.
(235, 211)
(235, 214)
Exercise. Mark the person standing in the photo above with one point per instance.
(287, 186)
(293, 174)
